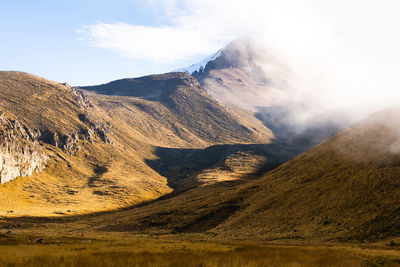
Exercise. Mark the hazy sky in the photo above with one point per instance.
(344, 51)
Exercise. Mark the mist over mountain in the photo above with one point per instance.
(245, 74)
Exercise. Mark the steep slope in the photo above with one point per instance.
(177, 102)
(54, 129)
(344, 189)
(347, 187)
(92, 151)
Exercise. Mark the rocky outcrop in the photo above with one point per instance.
(83, 101)
(68, 143)
(95, 127)
(20, 152)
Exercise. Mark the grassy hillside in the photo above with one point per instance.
(39, 103)
(344, 189)
(100, 145)
(92, 175)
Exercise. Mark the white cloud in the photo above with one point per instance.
(191, 28)
(158, 44)
(344, 52)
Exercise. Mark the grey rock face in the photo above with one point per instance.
(82, 100)
(20, 152)
(95, 126)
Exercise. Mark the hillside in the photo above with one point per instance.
(84, 152)
(178, 102)
(86, 169)
(194, 136)
(344, 189)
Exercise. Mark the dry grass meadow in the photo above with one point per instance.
(178, 251)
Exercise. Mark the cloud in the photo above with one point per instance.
(185, 34)
(344, 54)
(157, 44)
(187, 29)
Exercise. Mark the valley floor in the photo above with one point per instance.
(181, 250)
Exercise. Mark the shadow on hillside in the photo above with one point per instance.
(179, 165)
(176, 164)
(29, 222)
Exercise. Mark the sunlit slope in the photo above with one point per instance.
(173, 110)
(100, 145)
(343, 189)
(89, 168)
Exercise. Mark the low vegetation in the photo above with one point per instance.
(181, 252)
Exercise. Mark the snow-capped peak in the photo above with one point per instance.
(200, 65)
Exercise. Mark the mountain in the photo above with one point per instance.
(243, 74)
(345, 189)
(178, 161)
(246, 75)
(91, 149)
(199, 67)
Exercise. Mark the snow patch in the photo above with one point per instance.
(200, 65)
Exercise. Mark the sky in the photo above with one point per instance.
(53, 39)
(87, 42)
(342, 52)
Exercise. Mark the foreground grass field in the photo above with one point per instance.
(181, 252)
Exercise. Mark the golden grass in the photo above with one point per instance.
(173, 252)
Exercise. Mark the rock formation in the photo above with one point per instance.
(20, 152)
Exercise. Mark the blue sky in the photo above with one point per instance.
(43, 37)
(339, 52)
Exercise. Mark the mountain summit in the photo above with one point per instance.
(243, 74)
(246, 75)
